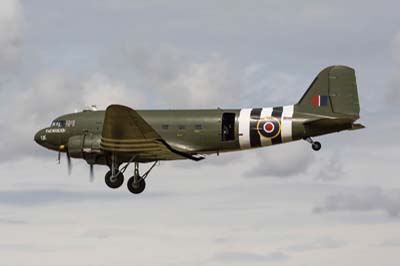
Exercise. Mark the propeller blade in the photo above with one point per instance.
(69, 162)
(91, 173)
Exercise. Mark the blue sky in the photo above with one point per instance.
(283, 205)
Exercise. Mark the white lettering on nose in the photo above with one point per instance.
(55, 130)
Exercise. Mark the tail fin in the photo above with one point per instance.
(332, 93)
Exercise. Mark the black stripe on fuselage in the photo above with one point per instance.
(254, 136)
(277, 113)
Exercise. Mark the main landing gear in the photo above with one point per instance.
(315, 145)
(114, 180)
(136, 184)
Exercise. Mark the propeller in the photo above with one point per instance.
(91, 173)
(68, 161)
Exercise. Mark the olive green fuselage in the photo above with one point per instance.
(191, 131)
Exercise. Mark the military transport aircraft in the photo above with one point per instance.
(120, 135)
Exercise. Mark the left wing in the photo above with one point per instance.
(125, 131)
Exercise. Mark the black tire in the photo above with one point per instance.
(115, 182)
(316, 146)
(136, 188)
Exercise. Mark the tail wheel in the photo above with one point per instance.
(316, 146)
(136, 187)
(114, 181)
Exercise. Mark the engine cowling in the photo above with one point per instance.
(85, 146)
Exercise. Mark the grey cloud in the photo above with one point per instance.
(25, 198)
(331, 168)
(394, 242)
(250, 257)
(267, 85)
(392, 93)
(396, 47)
(371, 199)
(102, 90)
(283, 161)
(11, 33)
(178, 78)
(18, 247)
(316, 244)
(11, 221)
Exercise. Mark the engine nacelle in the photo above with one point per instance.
(85, 146)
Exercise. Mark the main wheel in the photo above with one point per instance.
(114, 181)
(136, 188)
(316, 146)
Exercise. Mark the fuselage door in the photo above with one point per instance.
(228, 127)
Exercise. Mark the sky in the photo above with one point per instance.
(282, 205)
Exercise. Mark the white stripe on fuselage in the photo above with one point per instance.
(286, 123)
(244, 126)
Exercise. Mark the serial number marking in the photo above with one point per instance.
(55, 130)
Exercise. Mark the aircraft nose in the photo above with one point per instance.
(40, 136)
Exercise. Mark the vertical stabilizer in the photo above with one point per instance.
(332, 93)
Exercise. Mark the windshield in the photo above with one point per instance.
(58, 124)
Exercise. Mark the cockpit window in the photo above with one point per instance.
(58, 124)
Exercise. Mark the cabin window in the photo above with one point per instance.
(181, 127)
(198, 127)
(228, 127)
(164, 127)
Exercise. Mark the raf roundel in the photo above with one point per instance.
(269, 127)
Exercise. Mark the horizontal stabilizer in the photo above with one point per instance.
(321, 126)
(357, 126)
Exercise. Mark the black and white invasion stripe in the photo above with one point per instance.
(249, 136)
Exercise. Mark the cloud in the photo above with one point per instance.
(282, 161)
(365, 200)
(266, 85)
(250, 257)
(396, 48)
(49, 92)
(392, 93)
(394, 242)
(330, 168)
(10, 221)
(40, 197)
(11, 33)
(180, 79)
(317, 244)
(101, 90)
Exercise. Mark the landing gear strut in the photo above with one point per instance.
(115, 178)
(136, 184)
(315, 145)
